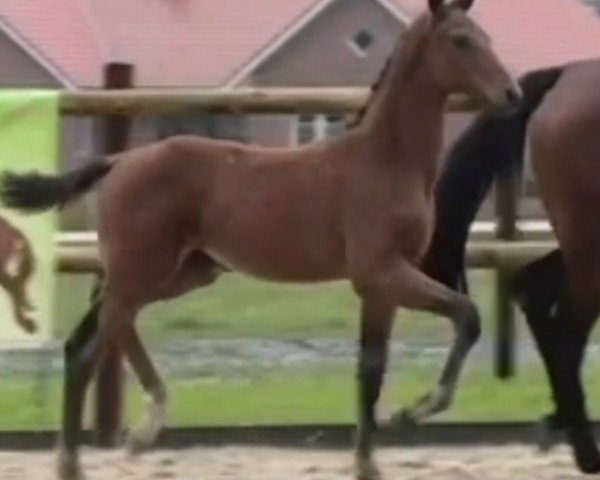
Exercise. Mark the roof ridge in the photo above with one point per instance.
(37, 54)
(271, 45)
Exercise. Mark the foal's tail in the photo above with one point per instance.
(490, 146)
(35, 192)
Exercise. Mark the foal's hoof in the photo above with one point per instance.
(367, 470)
(69, 467)
(403, 420)
(138, 441)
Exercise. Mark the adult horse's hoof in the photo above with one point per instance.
(587, 456)
(68, 467)
(588, 464)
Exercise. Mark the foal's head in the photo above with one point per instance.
(458, 55)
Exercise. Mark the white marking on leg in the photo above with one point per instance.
(145, 434)
(15, 259)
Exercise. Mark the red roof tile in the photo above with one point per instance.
(530, 34)
(171, 42)
(205, 42)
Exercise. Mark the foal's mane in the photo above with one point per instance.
(410, 41)
(374, 88)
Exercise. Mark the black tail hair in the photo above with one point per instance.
(35, 192)
(489, 147)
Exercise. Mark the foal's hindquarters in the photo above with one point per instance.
(566, 157)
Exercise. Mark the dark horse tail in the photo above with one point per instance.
(35, 192)
(490, 146)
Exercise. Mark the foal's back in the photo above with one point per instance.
(239, 203)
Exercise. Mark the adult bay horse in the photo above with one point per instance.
(17, 265)
(174, 214)
(559, 293)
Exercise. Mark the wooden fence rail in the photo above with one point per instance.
(486, 254)
(242, 100)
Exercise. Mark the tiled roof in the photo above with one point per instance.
(191, 43)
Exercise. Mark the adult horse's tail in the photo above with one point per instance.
(35, 192)
(490, 146)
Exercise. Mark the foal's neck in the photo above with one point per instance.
(404, 123)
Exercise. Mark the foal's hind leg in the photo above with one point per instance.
(79, 363)
(196, 271)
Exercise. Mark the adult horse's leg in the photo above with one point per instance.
(375, 328)
(408, 287)
(536, 288)
(573, 323)
(561, 326)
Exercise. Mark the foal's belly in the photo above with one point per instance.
(278, 249)
(278, 262)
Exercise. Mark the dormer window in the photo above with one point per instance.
(361, 42)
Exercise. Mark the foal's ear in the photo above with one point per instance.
(435, 5)
(463, 4)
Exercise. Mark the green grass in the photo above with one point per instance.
(323, 393)
(240, 307)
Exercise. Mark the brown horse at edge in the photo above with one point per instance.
(559, 292)
(17, 265)
(177, 213)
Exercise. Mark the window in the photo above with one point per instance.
(362, 42)
(317, 127)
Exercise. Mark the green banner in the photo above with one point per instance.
(29, 133)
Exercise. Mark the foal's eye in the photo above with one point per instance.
(462, 42)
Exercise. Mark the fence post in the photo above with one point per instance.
(506, 214)
(109, 386)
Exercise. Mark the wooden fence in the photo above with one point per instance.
(116, 103)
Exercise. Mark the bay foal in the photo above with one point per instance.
(176, 213)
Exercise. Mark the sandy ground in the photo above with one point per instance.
(493, 463)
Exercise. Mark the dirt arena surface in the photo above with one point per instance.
(489, 463)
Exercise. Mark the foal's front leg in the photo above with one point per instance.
(408, 287)
(375, 328)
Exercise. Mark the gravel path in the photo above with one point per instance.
(234, 463)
